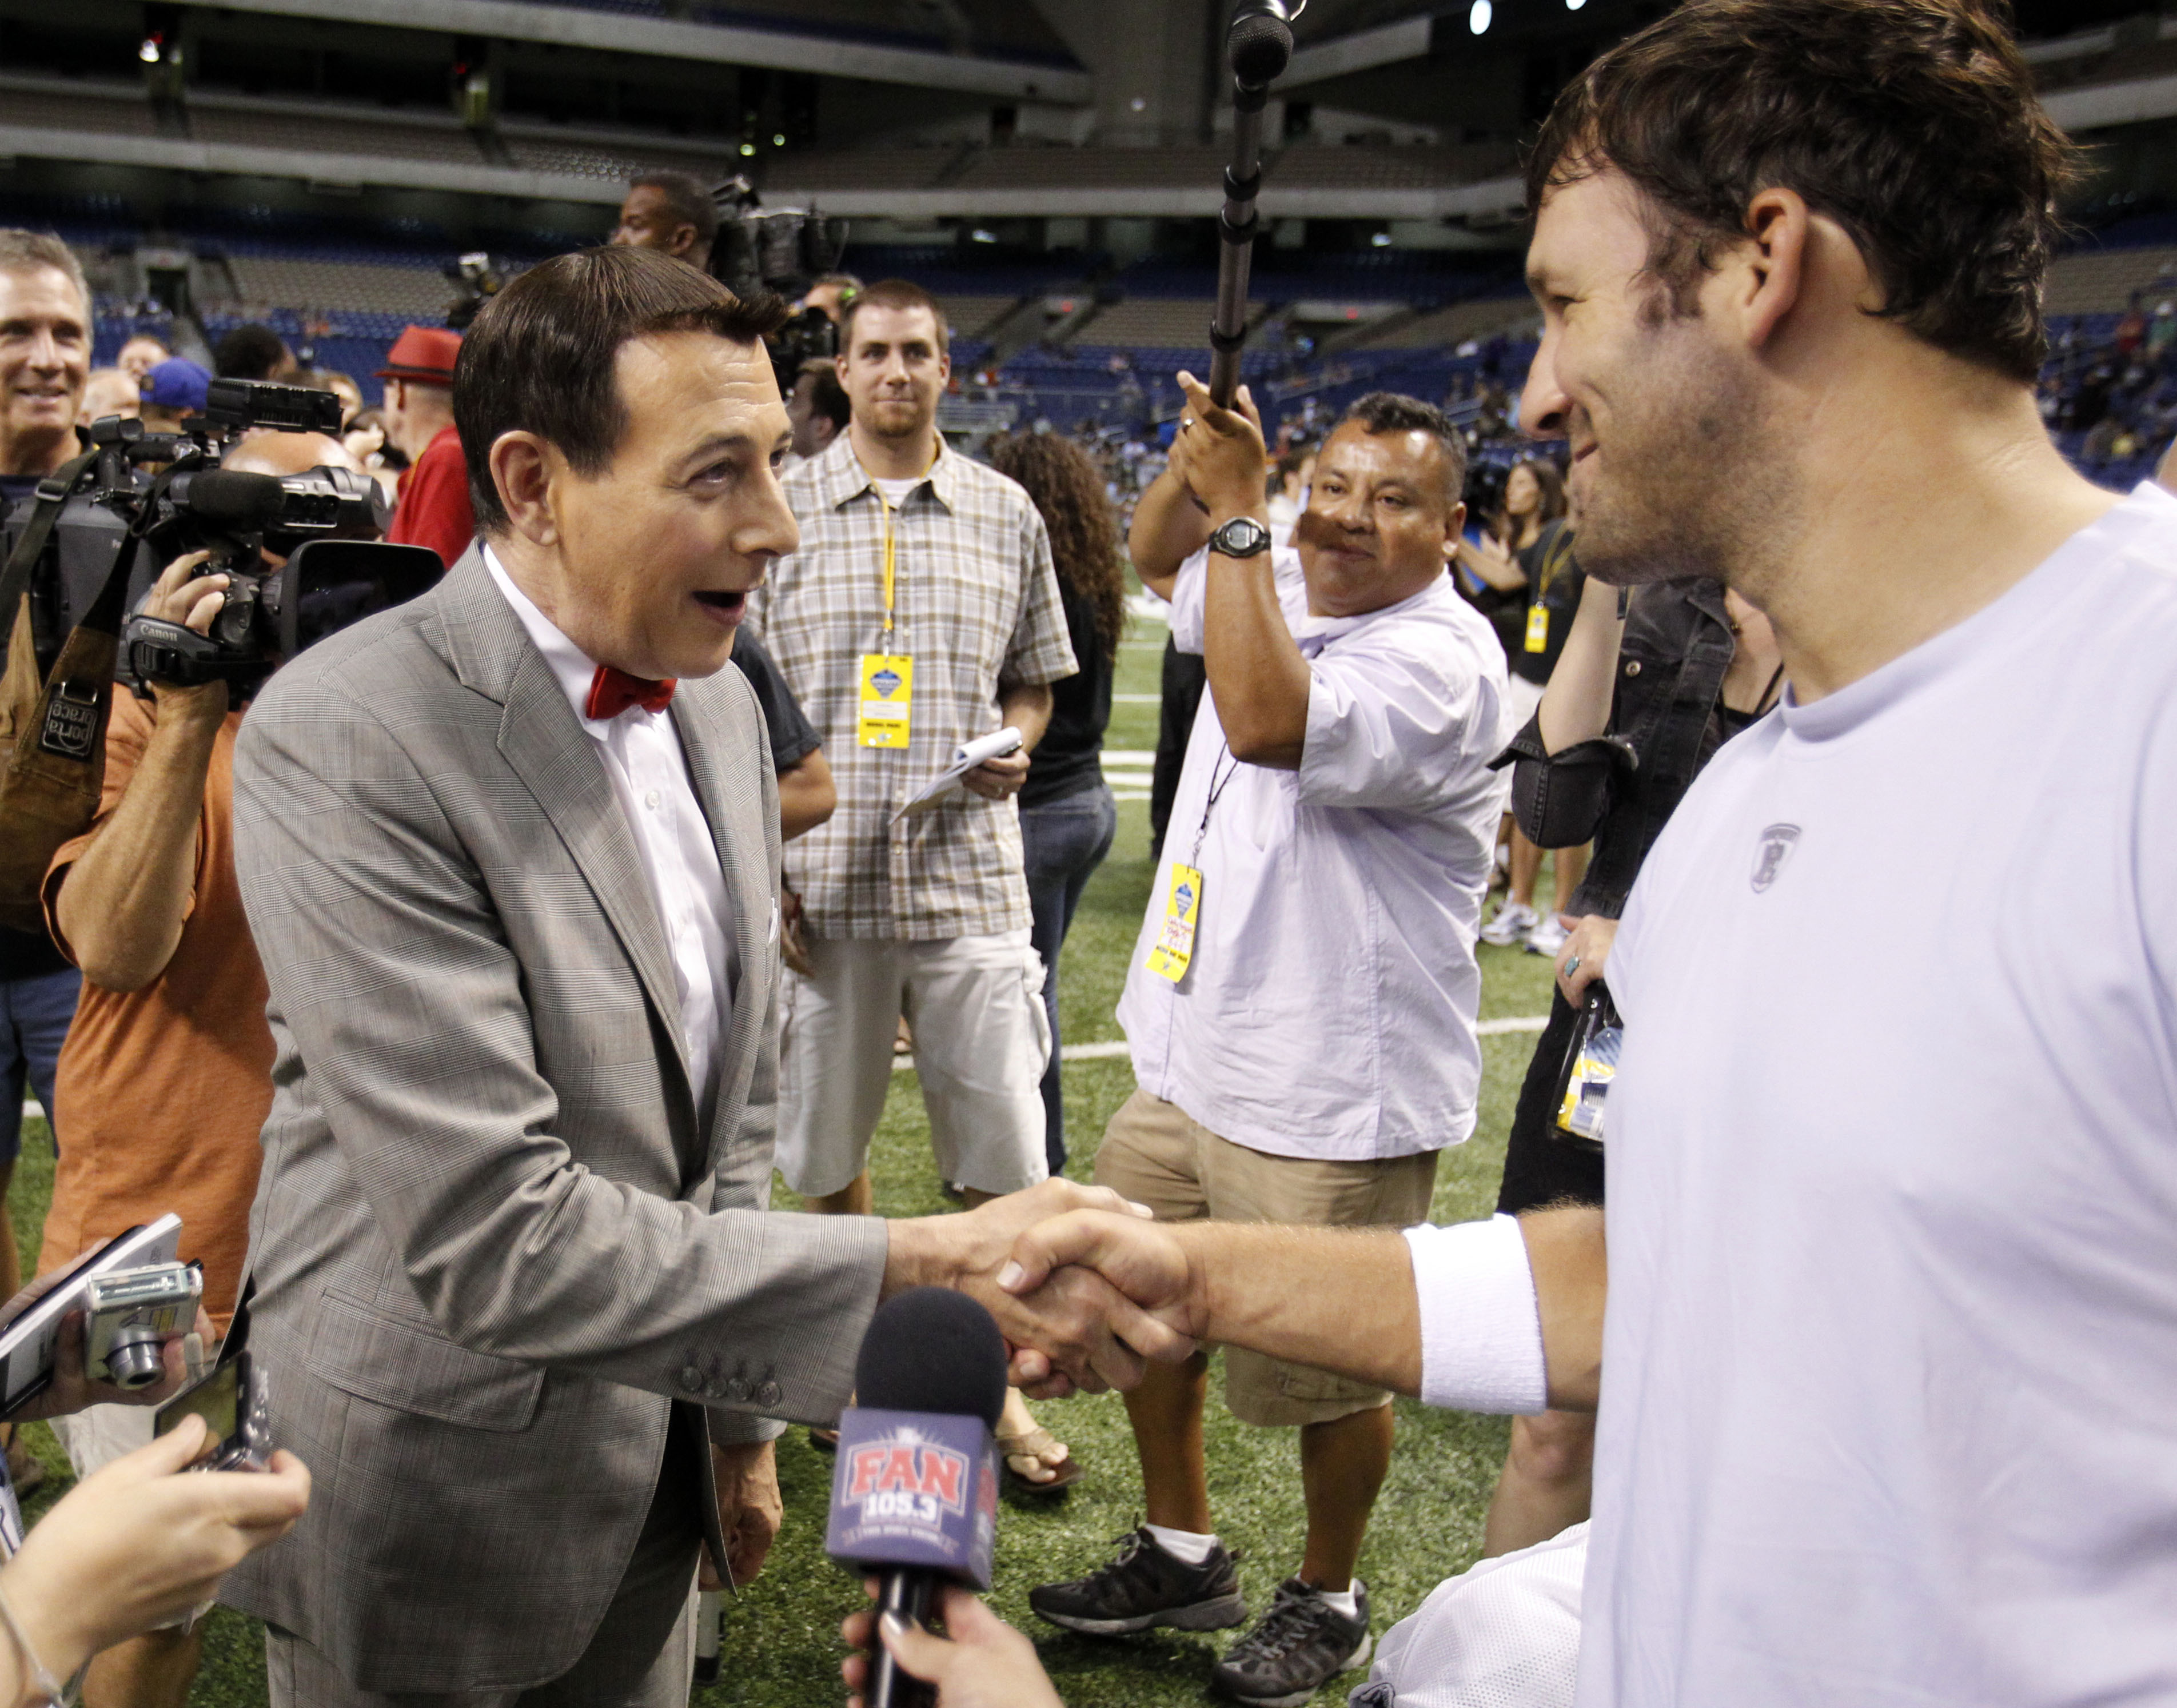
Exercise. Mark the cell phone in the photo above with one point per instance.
(231, 1400)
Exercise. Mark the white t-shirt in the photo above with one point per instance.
(1890, 1404)
(1328, 1008)
(896, 491)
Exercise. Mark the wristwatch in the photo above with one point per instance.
(1242, 537)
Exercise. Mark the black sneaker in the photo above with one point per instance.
(1146, 1586)
(1300, 1646)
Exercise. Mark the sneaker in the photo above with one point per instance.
(1297, 1648)
(1513, 922)
(1146, 1586)
(1548, 937)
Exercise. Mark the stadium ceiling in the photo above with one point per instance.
(972, 73)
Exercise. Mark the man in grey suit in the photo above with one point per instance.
(511, 856)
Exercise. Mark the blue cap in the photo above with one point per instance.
(176, 382)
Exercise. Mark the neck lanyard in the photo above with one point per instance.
(1220, 781)
(890, 549)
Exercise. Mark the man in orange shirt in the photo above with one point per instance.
(166, 1076)
(419, 420)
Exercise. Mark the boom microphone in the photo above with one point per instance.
(229, 498)
(1258, 42)
(914, 1497)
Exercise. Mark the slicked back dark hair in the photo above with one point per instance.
(541, 357)
(1913, 123)
(1392, 411)
(892, 293)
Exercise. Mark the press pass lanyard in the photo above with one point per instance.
(1173, 947)
(887, 675)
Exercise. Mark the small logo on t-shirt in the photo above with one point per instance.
(1777, 842)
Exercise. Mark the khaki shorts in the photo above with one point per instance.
(1155, 1154)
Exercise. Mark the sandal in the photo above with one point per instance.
(1031, 1445)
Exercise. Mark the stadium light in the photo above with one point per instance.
(1478, 18)
(1382, 240)
(149, 52)
(1574, 5)
(979, 236)
(779, 141)
(748, 148)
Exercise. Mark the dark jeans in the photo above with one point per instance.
(1062, 842)
(35, 1013)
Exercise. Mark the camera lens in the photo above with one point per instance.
(134, 1363)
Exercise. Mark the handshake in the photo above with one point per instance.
(1089, 1290)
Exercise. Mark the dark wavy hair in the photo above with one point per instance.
(1063, 482)
(1913, 123)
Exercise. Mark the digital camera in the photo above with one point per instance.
(130, 1314)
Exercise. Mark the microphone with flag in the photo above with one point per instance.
(914, 1497)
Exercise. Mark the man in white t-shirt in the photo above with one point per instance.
(1891, 1416)
(1300, 1005)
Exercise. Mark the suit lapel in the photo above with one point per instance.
(703, 716)
(549, 750)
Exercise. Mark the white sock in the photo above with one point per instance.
(1344, 1601)
(1183, 1544)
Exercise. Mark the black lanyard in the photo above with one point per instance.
(1218, 784)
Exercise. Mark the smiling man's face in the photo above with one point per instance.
(656, 553)
(1665, 420)
(1381, 521)
(45, 360)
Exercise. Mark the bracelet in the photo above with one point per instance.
(44, 1686)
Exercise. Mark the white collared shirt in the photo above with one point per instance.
(649, 772)
(1329, 1010)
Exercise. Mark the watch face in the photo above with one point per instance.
(1241, 536)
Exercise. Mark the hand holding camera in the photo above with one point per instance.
(79, 1380)
(184, 596)
(135, 1545)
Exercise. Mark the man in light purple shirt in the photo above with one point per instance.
(1302, 1003)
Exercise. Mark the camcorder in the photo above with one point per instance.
(300, 551)
(778, 250)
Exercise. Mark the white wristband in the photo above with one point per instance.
(1481, 1329)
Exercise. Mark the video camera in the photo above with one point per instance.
(782, 249)
(159, 495)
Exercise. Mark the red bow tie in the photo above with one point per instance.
(612, 691)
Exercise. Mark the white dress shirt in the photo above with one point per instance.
(1328, 1009)
(649, 773)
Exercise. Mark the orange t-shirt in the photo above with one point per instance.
(162, 1091)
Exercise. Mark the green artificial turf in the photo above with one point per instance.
(782, 1647)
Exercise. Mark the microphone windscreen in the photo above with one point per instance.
(931, 1349)
(235, 498)
(1261, 45)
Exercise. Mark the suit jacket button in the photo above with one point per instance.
(768, 1394)
(691, 1380)
(737, 1390)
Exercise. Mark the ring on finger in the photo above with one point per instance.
(1572, 966)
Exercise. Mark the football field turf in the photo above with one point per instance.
(781, 1646)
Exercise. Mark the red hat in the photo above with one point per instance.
(423, 354)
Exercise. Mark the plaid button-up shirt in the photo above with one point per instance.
(975, 603)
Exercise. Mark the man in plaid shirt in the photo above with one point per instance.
(926, 578)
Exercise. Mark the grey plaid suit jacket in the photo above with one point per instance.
(492, 1243)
